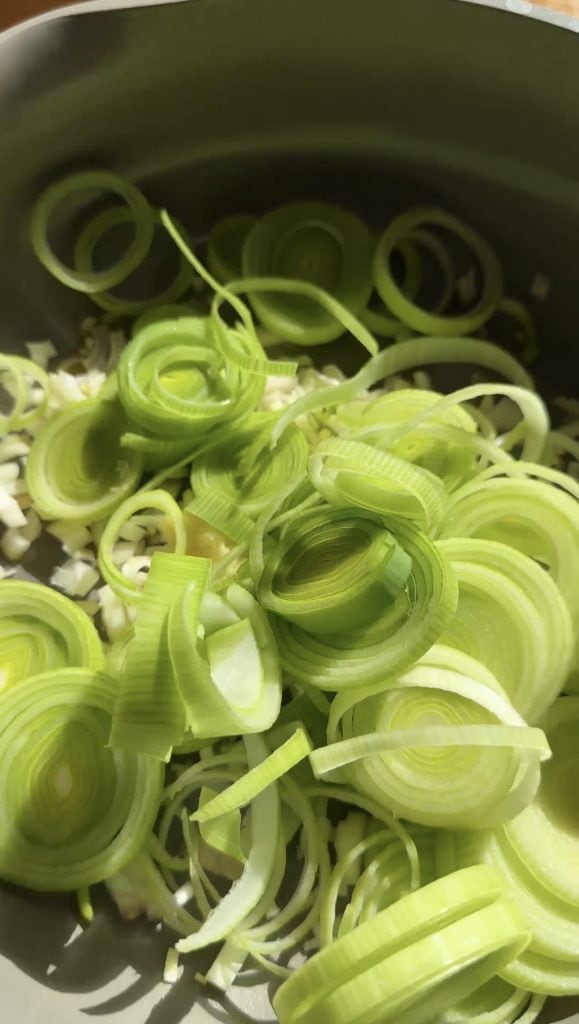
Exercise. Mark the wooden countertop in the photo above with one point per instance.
(12, 11)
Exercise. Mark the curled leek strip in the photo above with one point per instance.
(173, 381)
(257, 779)
(523, 631)
(353, 473)
(86, 181)
(149, 714)
(247, 891)
(225, 246)
(84, 251)
(334, 569)
(399, 358)
(74, 811)
(162, 502)
(402, 633)
(228, 677)
(381, 322)
(41, 630)
(318, 243)
(76, 469)
(23, 376)
(407, 311)
(425, 912)
(219, 472)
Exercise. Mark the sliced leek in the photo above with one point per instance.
(77, 469)
(409, 312)
(318, 243)
(74, 811)
(40, 631)
(87, 182)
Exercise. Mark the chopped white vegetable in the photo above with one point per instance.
(41, 352)
(72, 537)
(540, 287)
(75, 578)
(13, 447)
(10, 512)
(116, 615)
(14, 545)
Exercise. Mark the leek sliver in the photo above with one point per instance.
(405, 356)
(229, 681)
(246, 892)
(257, 779)
(149, 716)
(224, 832)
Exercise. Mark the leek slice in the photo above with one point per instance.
(225, 246)
(84, 250)
(413, 983)
(334, 569)
(149, 713)
(229, 679)
(402, 633)
(41, 630)
(50, 200)
(75, 812)
(409, 312)
(173, 380)
(321, 244)
(512, 617)
(532, 516)
(448, 718)
(381, 322)
(76, 469)
(423, 913)
(550, 965)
